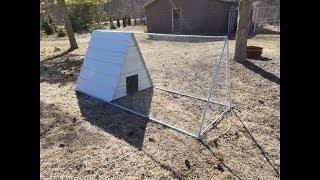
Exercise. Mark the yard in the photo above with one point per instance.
(84, 138)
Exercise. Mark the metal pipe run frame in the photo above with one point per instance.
(200, 134)
(155, 120)
(211, 125)
(212, 88)
(144, 116)
(191, 96)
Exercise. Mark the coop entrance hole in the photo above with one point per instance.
(132, 84)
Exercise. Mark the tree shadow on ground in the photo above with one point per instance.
(255, 142)
(261, 59)
(58, 55)
(53, 117)
(220, 159)
(113, 120)
(60, 70)
(175, 174)
(265, 74)
(264, 30)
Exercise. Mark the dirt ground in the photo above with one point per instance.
(84, 138)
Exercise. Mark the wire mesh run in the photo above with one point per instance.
(191, 81)
(266, 15)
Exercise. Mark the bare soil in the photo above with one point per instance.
(84, 138)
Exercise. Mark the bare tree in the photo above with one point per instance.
(242, 30)
(68, 25)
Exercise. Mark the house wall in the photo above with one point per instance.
(198, 16)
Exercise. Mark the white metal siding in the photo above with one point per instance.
(110, 58)
(133, 65)
(103, 63)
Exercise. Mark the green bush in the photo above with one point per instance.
(129, 21)
(61, 32)
(124, 22)
(86, 15)
(94, 26)
(48, 28)
(118, 23)
(112, 26)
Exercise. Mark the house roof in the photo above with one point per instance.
(152, 1)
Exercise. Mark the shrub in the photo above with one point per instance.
(124, 22)
(129, 21)
(94, 26)
(61, 32)
(135, 22)
(118, 23)
(86, 15)
(112, 26)
(48, 28)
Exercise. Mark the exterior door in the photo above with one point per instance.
(176, 21)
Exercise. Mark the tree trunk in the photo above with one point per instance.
(242, 30)
(67, 22)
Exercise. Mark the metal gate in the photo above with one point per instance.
(232, 21)
(176, 21)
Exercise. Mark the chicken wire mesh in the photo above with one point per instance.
(265, 15)
(191, 81)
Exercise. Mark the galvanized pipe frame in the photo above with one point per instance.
(208, 101)
(229, 106)
(212, 88)
(213, 122)
(191, 96)
(200, 134)
(144, 116)
(154, 119)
